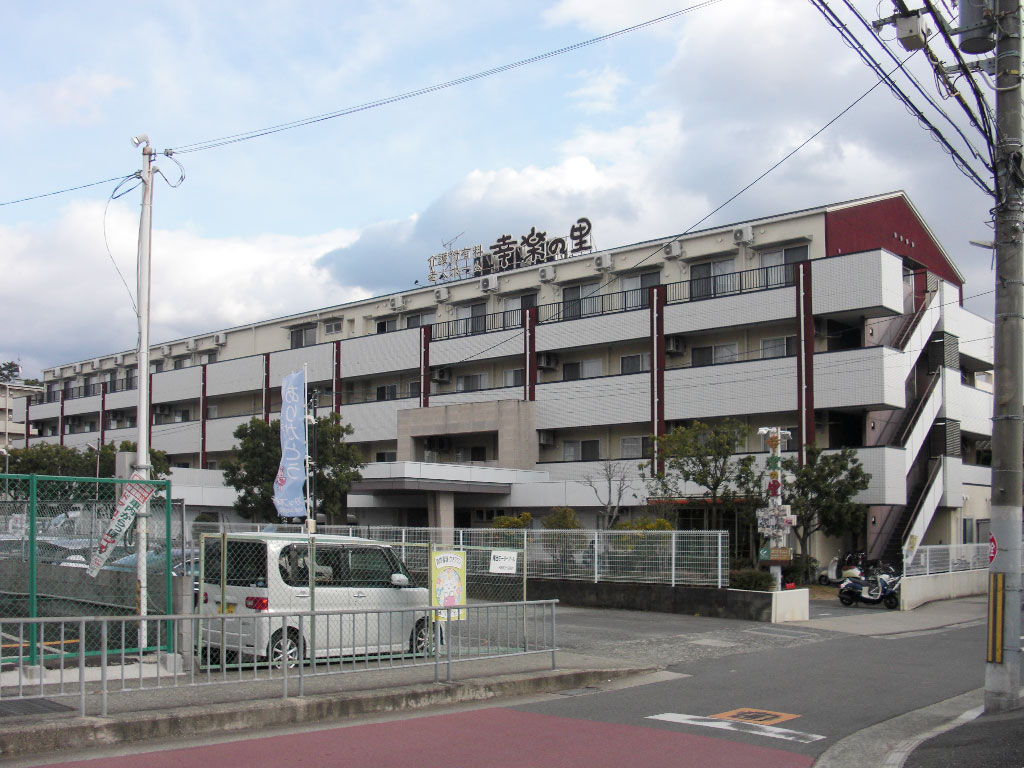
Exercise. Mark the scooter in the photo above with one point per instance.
(884, 590)
(835, 572)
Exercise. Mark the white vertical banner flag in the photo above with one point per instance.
(291, 474)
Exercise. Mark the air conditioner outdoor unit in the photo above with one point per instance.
(118, 359)
(442, 294)
(603, 262)
(489, 283)
(673, 250)
(165, 350)
(675, 345)
(547, 361)
(220, 339)
(441, 375)
(190, 345)
(396, 303)
(77, 367)
(546, 274)
(545, 437)
(743, 235)
(96, 364)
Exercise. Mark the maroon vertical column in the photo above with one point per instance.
(657, 298)
(103, 414)
(202, 419)
(530, 354)
(337, 377)
(266, 387)
(805, 358)
(425, 334)
(28, 419)
(61, 424)
(149, 427)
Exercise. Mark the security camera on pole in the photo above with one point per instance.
(775, 520)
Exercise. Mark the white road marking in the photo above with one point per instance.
(771, 731)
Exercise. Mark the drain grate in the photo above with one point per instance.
(31, 707)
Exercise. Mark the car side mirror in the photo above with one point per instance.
(399, 580)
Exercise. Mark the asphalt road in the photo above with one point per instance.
(733, 693)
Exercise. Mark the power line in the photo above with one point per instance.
(63, 191)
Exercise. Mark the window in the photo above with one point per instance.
(332, 326)
(513, 377)
(478, 453)
(581, 450)
(635, 288)
(386, 456)
(370, 567)
(775, 264)
(156, 366)
(387, 392)
(713, 355)
(211, 464)
(713, 278)
(181, 362)
(388, 325)
(416, 321)
(470, 383)
(180, 416)
(208, 358)
(471, 318)
(180, 465)
(587, 369)
(246, 566)
(514, 306)
(635, 447)
(413, 389)
(635, 363)
(90, 387)
(131, 376)
(303, 337)
(582, 299)
(781, 346)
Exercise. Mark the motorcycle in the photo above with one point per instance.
(884, 590)
(835, 573)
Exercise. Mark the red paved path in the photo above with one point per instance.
(485, 738)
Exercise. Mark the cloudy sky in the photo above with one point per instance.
(645, 134)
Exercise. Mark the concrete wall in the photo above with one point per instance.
(695, 601)
(918, 590)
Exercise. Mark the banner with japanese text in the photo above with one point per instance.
(289, 498)
(132, 499)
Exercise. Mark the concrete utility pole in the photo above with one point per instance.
(142, 457)
(1002, 667)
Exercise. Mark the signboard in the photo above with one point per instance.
(133, 497)
(508, 253)
(448, 583)
(993, 547)
(775, 554)
(503, 561)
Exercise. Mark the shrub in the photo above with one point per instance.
(507, 521)
(802, 569)
(561, 519)
(751, 578)
(645, 524)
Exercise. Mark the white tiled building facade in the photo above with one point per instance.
(506, 391)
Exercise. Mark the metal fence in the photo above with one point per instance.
(946, 558)
(49, 529)
(212, 650)
(693, 558)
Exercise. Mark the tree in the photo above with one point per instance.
(61, 461)
(821, 494)
(253, 469)
(561, 519)
(610, 485)
(507, 521)
(9, 371)
(703, 454)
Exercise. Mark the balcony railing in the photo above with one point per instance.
(86, 390)
(749, 281)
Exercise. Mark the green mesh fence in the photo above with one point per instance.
(50, 528)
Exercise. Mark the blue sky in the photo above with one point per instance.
(644, 134)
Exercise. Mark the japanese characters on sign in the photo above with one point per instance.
(776, 520)
(132, 498)
(291, 474)
(509, 253)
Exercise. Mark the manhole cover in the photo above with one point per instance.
(31, 707)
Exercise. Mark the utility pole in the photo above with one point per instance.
(142, 464)
(1002, 667)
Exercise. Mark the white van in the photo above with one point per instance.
(250, 593)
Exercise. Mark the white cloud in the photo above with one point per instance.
(600, 92)
(78, 99)
(79, 307)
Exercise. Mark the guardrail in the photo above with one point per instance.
(47, 658)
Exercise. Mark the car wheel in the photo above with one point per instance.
(891, 602)
(846, 598)
(284, 648)
(419, 640)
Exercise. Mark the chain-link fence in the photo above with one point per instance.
(50, 529)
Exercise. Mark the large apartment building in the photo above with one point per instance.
(509, 382)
